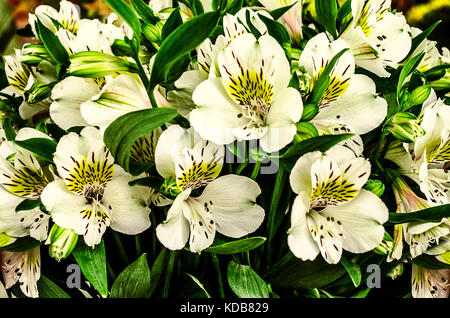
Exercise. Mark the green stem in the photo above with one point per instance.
(110, 271)
(256, 168)
(274, 208)
(137, 239)
(377, 150)
(219, 275)
(169, 274)
(120, 247)
(152, 99)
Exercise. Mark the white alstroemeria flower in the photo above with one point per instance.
(378, 38)
(420, 237)
(93, 193)
(22, 267)
(68, 17)
(252, 99)
(424, 160)
(207, 58)
(292, 19)
(21, 77)
(427, 283)
(350, 98)
(22, 177)
(227, 204)
(330, 212)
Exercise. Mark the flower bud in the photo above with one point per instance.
(405, 127)
(375, 186)
(418, 96)
(305, 131)
(153, 32)
(309, 112)
(33, 54)
(96, 64)
(396, 271)
(38, 91)
(62, 242)
(385, 246)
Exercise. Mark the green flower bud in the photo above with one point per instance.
(121, 48)
(386, 245)
(375, 186)
(305, 131)
(62, 242)
(405, 127)
(33, 54)
(396, 271)
(153, 32)
(96, 64)
(441, 84)
(38, 91)
(309, 112)
(418, 96)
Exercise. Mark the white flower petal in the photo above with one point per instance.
(300, 177)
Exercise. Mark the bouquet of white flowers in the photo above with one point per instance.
(271, 148)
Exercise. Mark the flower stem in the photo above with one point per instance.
(169, 274)
(256, 168)
(137, 239)
(279, 181)
(219, 276)
(120, 247)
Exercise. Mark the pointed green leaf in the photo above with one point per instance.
(144, 11)
(199, 284)
(326, 11)
(48, 289)
(127, 14)
(278, 13)
(52, 44)
(92, 262)
(238, 246)
(245, 282)
(134, 281)
(433, 214)
(353, 270)
(44, 148)
(172, 23)
(421, 37)
(181, 42)
(409, 67)
(429, 262)
(124, 131)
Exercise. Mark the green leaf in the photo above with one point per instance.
(276, 30)
(21, 244)
(326, 11)
(172, 23)
(48, 289)
(158, 269)
(10, 133)
(127, 14)
(429, 262)
(343, 12)
(362, 293)
(291, 272)
(321, 85)
(278, 13)
(124, 131)
(28, 204)
(353, 270)
(321, 143)
(421, 37)
(43, 147)
(199, 284)
(238, 246)
(433, 214)
(409, 67)
(52, 44)
(92, 262)
(134, 281)
(144, 11)
(181, 42)
(245, 282)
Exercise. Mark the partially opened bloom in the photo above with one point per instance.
(23, 267)
(378, 38)
(428, 283)
(93, 193)
(226, 204)
(350, 98)
(22, 178)
(424, 160)
(252, 99)
(330, 213)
